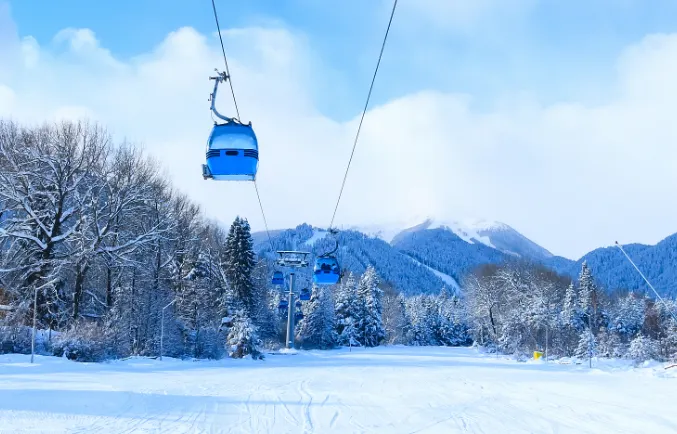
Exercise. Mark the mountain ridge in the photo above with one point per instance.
(424, 256)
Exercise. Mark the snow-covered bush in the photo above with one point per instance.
(670, 343)
(609, 344)
(15, 339)
(642, 349)
(83, 342)
(242, 339)
(210, 344)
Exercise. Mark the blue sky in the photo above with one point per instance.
(524, 51)
(555, 117)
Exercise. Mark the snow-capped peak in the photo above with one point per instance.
(481, 225)
(467, 229)
(470, 230)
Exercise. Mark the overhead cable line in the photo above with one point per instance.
(364, 112)
(665, 305)
(225, 59)
(237, 111)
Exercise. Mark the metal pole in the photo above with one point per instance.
(162, 326)
(546, 343)
(35, 320)
(290, 313)
(590, 349)
(162, 331)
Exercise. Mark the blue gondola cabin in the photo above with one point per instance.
(326, 271)
(278, 278)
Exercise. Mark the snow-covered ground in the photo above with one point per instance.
(317, 236)
(447, 279)
(382, 390)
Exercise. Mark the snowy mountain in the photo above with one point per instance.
(492, 234)
(356, 251)
(613, 271)
(418, 258)
(422, 257)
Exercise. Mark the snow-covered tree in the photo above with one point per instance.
(348, 311)
(587, 346)
(670, 342)
(370, 324)
(629, 315)
(394, 316)
(485, 297)
(422, 318)
(452, 328)
(43, 172)
(242, 338)
(642, 349)
(571, 311)
(317, 329)
(609, 343)
(588, 297)
(239, 259)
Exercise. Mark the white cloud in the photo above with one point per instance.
(572, 177)
(475, 17)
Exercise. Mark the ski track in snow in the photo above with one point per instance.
(443, 277)
(317, 236)
(382, 390)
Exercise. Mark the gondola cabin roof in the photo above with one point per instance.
(232, 153)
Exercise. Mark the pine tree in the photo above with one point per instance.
(570, 310)
(450, 331)
(570, 322)
(587, 346)
(588, 296)
(347, 312)
(370, 325)
(419, 332)
(629, 316)
(242, 338)
(317, 330)
(239, 259)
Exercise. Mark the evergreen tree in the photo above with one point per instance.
(264, 314)
(420, 331)
(242, 337)
(629, 316)
(239, 259)
(451, 331)
(348, 312)
(571, 314)
(370, 324)
(317, 329)
(570, 322)
(587, 346)
(588, 296)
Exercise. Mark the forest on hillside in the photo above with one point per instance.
(105, 257)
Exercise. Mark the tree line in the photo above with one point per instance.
(518, 308)
(106, 258)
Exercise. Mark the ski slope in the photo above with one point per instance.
(447, 279)
(382, 390)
